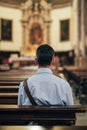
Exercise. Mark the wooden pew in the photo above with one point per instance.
(8, 89)
(11, 80)
(8, 94)
(81, 85)
(9, 85)
(78, 70)
(28, 114)
(20, 71)
(14, 77)
(8, 98)
(17, 72)
(45, 115)
(83, 91)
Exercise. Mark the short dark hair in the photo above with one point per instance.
(44, 54)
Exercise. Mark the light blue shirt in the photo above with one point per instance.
(46, 89)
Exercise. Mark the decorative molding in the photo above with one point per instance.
(56, 6)
(9, 5)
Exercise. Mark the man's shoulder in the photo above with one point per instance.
(61, 80)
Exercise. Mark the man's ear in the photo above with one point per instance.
(53, 61)
(36, 61)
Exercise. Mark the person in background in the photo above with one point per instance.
(71, 58)
(45, 87)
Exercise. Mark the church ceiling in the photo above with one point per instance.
(18, 2)
(12, 2)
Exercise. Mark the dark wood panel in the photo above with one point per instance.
(45, 115)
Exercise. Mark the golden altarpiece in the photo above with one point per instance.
(36, 22)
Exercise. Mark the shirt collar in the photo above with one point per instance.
(44, 70)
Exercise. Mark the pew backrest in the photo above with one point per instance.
(46, 115)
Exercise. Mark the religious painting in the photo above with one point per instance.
(64, 30)
(36, 34)
(6, 30)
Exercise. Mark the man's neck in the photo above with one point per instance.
(49, 67)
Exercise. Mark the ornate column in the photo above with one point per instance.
(48, 31)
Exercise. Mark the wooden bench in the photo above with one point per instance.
(8, 98)
(8, 89)
(9, 92)
(83, 91)
(9, 83)
(14, 77)
(19, 72)
(78, 70)
(81, 84)
(45, 115)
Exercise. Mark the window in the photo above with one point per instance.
(6, 30)
(64, 30)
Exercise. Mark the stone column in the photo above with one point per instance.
(82, 27)
(24, 23)
(75, 29)
(48, 31)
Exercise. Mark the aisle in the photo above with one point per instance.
(81, 117)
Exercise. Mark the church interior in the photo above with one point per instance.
(26, 24)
